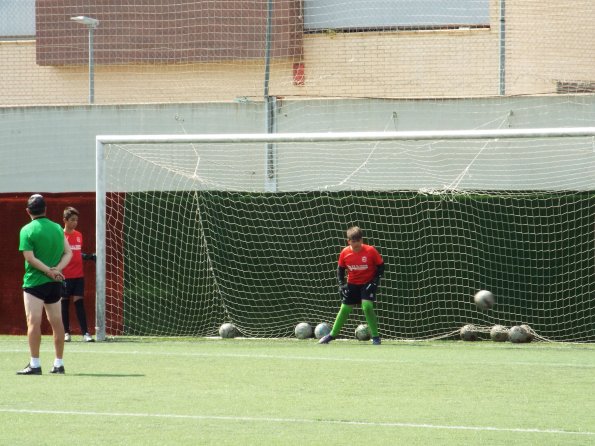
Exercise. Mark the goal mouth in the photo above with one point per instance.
(195, 230)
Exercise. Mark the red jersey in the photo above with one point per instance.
(361, 266)
(74, 269)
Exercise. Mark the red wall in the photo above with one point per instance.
(166, 32)
(12, 208)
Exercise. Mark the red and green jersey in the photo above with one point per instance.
(361, 266)
(46, 239)
(74, 269)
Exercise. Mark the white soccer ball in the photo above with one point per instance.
(228, 331)
(362, 333)
(499, 333)
(303, 330)
(484, 300)
(469, 333)
(518, 334)
(530, 332)
(322, 330)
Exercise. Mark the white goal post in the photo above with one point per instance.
(391, 170)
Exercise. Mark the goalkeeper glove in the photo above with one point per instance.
(344, 290)
(89, 257)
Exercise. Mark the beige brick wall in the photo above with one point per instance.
(402, 64)
(25, 83)
(548, 41)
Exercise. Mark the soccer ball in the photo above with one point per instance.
(530, 332)
(322, 330)
(499, 333)
(518, 334)
(469, 333)
(303, 330)
(228, 331)
(484, 300)
(362, 333)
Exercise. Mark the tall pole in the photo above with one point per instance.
(269, 105)
(502, 70)
(91, 24)
(100, 236)
(267, 48)
(91, 66)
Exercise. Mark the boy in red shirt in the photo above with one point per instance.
(365, 267)
(74, 283)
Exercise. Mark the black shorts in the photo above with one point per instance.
(73, 287)
(357, 293)
(48, 292)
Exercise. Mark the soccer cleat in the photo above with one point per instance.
(87, 338)
(326, 339)
(57, 370)
(376, 340)
(66, 337)
(30, 370)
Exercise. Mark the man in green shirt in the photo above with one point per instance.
(46, 253)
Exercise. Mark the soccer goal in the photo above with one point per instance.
(197, 230)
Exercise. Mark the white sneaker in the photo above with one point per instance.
(87, 338)
(66, 337)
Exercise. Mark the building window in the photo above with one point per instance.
(17, 18)
(374, 15)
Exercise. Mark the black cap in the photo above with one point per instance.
(36, 204)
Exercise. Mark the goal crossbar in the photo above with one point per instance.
(555, 132)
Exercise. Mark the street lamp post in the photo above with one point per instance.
(91, 24)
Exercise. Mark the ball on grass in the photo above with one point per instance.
(469, 333)
(322, 330)
(362, 333)
(303, 330)
(530, 332)
(518, 334)
(228, 331)
(499, 333)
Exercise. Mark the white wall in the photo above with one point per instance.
(52, 149)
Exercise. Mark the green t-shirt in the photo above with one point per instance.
(46, 239)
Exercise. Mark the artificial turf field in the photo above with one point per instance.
(290, 392)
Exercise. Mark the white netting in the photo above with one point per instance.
(278, 66)
(194, 239)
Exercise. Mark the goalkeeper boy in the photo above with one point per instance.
(364, 267)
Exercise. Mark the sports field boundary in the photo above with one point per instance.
(297, 421)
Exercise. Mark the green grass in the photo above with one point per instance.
(289, 392)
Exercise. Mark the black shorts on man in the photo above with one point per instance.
(48, 292)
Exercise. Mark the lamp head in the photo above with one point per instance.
(87, 21)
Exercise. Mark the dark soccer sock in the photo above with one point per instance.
(341, 318)
(368, 307)
(66, 314)
(79, 306)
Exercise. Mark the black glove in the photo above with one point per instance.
(344, 290)
(89, 257)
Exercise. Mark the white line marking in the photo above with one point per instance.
(310, 358)
(298, 420)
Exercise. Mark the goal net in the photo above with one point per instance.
(197, 230)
